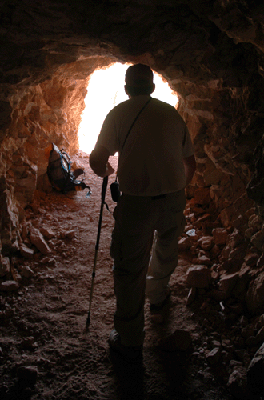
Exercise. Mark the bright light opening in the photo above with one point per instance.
(104, 92)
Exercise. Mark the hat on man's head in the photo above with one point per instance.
(139, 75)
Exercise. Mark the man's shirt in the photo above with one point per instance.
(151, 161)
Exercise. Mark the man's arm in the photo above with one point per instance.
(190, 167)
(99, 162)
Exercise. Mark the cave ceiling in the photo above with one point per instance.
(196, 40)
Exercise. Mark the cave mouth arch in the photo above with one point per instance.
(104, 91)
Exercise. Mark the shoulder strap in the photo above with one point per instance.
(145, 105)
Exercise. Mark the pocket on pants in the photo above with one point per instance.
(114, 237)
(183, 224)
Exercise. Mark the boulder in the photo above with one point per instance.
(237, 383)
(26, 251)
(9, 286)
(198, 276)
(227, 283)
(220, 236)
(255, 294)
(4, 266)
(47, 233)
(27, 375)
(255, 372)
(206, 243)
(38, 241)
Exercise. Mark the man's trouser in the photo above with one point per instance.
(136, 220)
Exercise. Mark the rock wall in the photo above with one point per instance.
(44, 113)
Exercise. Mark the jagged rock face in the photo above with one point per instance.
(210, 53)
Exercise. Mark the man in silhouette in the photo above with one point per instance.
(155, 164)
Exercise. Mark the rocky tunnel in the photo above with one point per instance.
(210, 53)
(212, 58)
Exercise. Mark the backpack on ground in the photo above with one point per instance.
(59, 172)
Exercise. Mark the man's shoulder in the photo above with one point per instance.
(165, 107)
(120, 107)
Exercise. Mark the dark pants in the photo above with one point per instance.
(136, 220)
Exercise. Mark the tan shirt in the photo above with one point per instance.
(150, 163)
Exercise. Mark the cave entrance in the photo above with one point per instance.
(104, 91)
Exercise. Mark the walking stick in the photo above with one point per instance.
(104, 185)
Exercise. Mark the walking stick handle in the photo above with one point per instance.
(104, 185)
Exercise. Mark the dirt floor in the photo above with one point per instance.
(46, 352)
